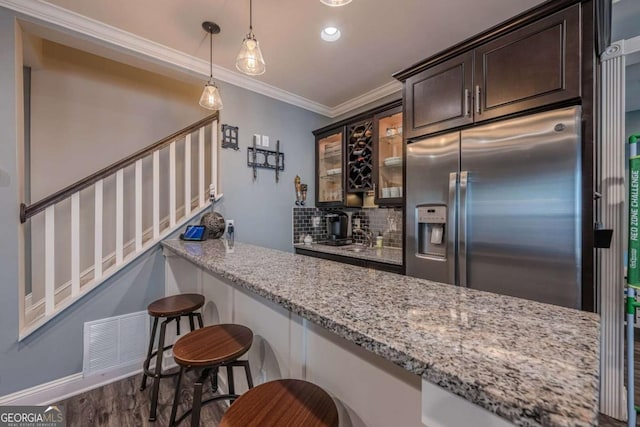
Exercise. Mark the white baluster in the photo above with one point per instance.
(214, 156)
(97, 267)
(75, 244)
(187, 176)
(156, 195)
(138, 195)
(172, 184)
(49, 260)
(119, 216)
(201, 188)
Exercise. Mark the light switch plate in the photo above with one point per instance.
(265, 141)
(256, 138)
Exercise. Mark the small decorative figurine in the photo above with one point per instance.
(298, 185)
(303, 190)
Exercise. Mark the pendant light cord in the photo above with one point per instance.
(210, 56)
(250, 16)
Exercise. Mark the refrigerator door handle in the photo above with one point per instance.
(462, 228)
(451, 235)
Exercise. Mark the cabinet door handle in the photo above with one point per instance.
(467, 112)
(477, 99)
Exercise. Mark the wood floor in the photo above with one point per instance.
(122, 404)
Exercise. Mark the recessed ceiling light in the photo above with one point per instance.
(335, 3)
(330, 34)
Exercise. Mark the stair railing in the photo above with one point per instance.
(58, 295)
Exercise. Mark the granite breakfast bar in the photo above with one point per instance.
(395, 350)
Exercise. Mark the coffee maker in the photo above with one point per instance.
(337, 229)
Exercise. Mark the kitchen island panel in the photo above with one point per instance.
(370, 390)
(532, 364)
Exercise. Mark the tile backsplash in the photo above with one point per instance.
(387, 221)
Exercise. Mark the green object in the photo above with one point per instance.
(633, 269)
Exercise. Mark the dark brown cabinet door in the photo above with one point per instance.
(531, 67)
(329, 168)
(440, 97)
(388, 154)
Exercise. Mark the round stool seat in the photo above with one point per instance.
(175, 305)
(282, 403)
(212, 345)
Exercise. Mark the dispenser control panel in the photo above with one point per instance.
(432, 214)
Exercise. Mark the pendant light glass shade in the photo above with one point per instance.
(335, 3)
(249, 59)
(210, 98)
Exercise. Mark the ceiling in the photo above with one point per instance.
(379, 37)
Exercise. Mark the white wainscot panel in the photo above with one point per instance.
(441, 408)
(218, 300)
(369, 390)
(269, 354)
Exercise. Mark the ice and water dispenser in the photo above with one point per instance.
(432, 229)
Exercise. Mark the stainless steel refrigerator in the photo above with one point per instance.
(498, 207)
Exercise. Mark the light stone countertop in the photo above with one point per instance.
(385, 255)
(531, 363)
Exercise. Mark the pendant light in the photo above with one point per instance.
(335, 3)
(210, 98)
(249, 59)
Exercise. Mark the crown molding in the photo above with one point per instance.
(366, 98)
(82, 26)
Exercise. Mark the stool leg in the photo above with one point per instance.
(200, 320)
(191, 322)
(197, 398)
(176, 399)
(214, 380)
(158, 371)
(232, 385)
(145, 366)
(177, 325)
(247, 371)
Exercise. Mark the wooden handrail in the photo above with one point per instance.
(27, 212)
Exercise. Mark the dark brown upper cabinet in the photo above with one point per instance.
(440, 97)
(535, 65)
(329, 168)
(531, 67)
(360, 157)
(388, 155)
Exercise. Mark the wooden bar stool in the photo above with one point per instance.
(283, 403)
(170, 309)
(208, 349)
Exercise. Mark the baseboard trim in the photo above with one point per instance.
(63, 388)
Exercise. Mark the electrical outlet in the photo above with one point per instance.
(265, 141)
(356, 222)
(256, 139)
(316, 221)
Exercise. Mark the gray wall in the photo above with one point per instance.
(261, 210)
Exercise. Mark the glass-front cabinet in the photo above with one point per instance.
(388, 157)
(330, 177)
(359, 160)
